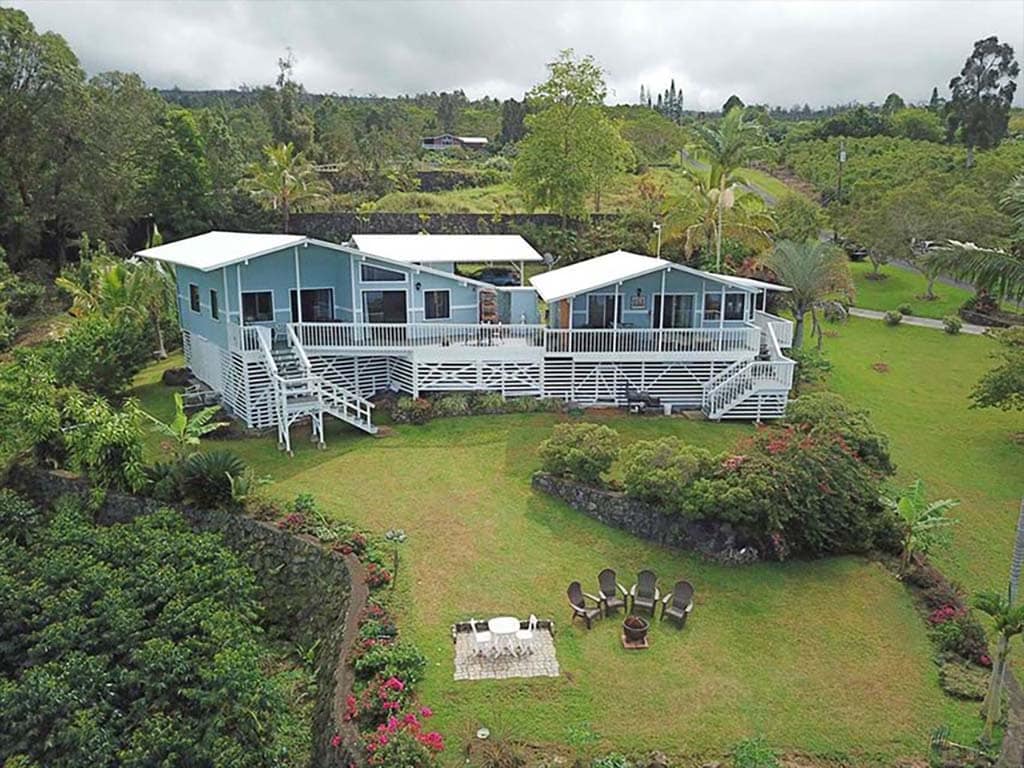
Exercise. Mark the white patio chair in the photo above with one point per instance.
(482, 640)
(525, 637)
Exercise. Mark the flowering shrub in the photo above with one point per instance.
(380, 699)
(963, 636)
(402, 742)
(294, 522)
(946, 613)
(377, 576)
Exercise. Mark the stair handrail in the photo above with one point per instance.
(266, 347)
(295, 343)
(722, 375)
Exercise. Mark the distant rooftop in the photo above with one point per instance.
(426, 249)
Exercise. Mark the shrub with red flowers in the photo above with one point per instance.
(380, 699)
(946, 613)
(295, 522)
(377, 576)
(404, 742)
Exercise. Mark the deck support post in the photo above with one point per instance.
(571, 300)
(238, 284)
(721, 322)
(298, 287)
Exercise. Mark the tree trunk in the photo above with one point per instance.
(994, 699)
(284, 211)
(970, 156)
(929, 292)
(798, 328)
(161, 349)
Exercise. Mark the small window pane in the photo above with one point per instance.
(258, 307)
(214, 306)
(734, 303)
(372, 274)
(193, 296)
(436, 305)
(712, 305)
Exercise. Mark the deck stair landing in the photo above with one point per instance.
(301, 394)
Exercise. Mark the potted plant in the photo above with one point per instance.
(635, 628)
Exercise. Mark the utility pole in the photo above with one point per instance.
(839, 186)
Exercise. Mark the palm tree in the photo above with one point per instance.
(286, 181)
(813, 271)
(1008, 620)
(922, 520)
(727, 147)
(151, 289)
(705, 214)
(997, 271)
(186, 430)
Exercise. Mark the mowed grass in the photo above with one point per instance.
(904, 286)
(828, 658)
(920, 398)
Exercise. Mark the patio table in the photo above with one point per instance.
(503, 630)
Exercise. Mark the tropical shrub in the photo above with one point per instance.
(100, 355)
(659, 471)
(19, 518)
(103, 443)
(795, 490)
(921, 523)
(7, 328)
(452, 405)
(401, 660)
(487, 402)
(410, 410)
(582, 451)
(826, 412)
(812, 366)
(962, 635)
(893, 318)
(952, 324)
(206, 478)
(127, 645)
(163, 481)
(402, 742)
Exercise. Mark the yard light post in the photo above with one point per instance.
(657, 228)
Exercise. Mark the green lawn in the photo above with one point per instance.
(921, 402)
(904, 286)
(828, 658)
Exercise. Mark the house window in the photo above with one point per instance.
(601, 311)
(317, 305)
(712, 306)
(258, 307)
(372, 274)
(734, 305)
(193, 297)
(214, 306)
(437, 305)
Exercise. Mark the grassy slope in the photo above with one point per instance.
(825, 657)
(922, 404)
(904, 286)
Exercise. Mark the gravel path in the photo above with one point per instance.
(921, 322)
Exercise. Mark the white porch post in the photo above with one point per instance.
(238, 281)
(227, 297)
(721, 322)
(571, 300)
(298, 287)
(661, 311)
(522, 273)
(615, 319)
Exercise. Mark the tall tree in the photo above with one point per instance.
(572, 146)
(285, 182)
(513, 121)
(979, 108)
(1008, 621)
(726, 147)
(935, 102)
(893, 103)
(732, 103)
(447, 112)
(180, 189)
(1003, 386)
(812, 270)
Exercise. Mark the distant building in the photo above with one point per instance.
(448, 141)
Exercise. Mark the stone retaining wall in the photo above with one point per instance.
(306, 588)
(715, 540)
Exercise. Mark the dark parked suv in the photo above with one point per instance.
(498, 276)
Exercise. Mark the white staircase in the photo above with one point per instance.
(752, 389)
(299, 393)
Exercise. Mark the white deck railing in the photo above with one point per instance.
(783, 328)
(744, 339)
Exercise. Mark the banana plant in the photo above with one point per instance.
(186, 431)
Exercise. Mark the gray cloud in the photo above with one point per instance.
(820, 52)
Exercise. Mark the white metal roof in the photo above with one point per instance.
(425, 249)
(219, 249)
(615, 267)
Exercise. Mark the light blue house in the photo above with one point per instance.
(284, 327)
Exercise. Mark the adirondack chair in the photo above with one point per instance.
(677, 605)
(578, 601)
(645, 592)
(609, 589)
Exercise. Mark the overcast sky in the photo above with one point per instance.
(823, 52)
